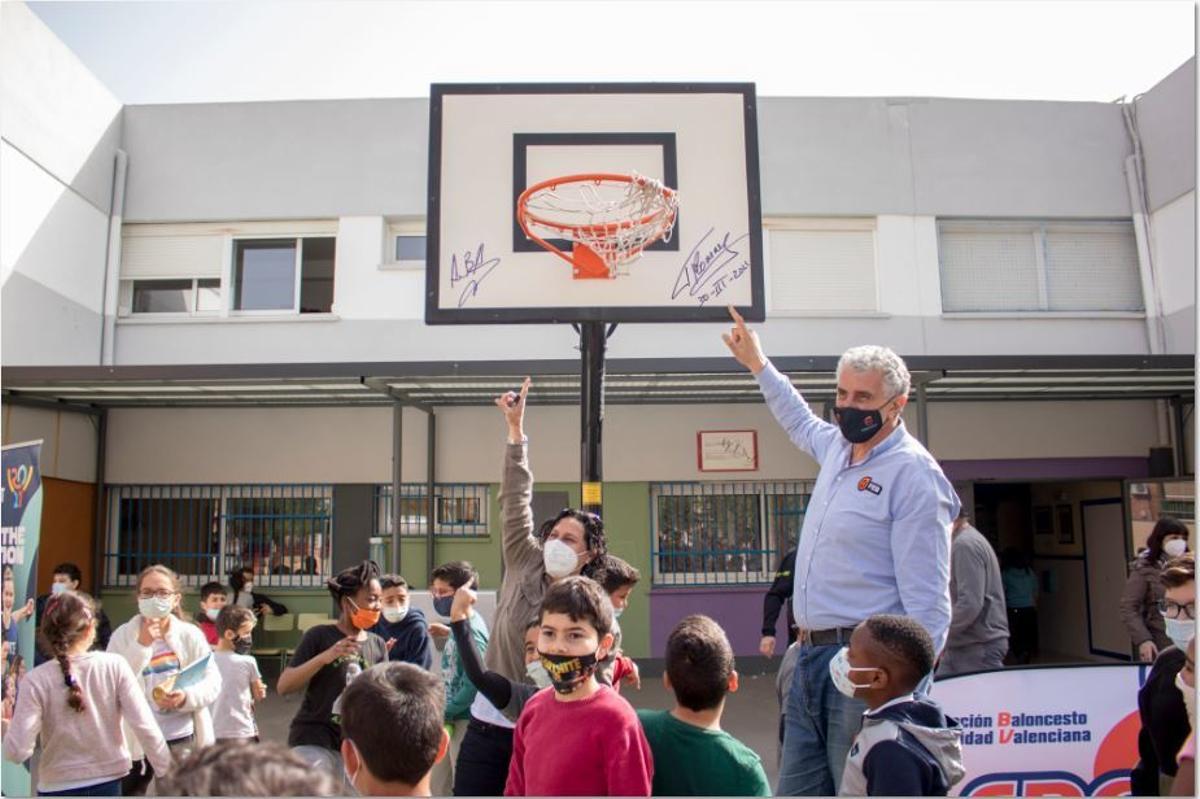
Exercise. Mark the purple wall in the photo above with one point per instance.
(737, 609)
(1020, 469)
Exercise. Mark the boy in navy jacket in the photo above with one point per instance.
(907, 746)
(403, 625)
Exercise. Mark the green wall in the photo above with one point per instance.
(626, 522)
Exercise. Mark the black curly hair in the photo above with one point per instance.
(593, 528)
(348, 582)
(906, 641)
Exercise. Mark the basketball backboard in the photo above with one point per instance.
(489, 143)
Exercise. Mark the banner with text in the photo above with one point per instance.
(1049, 731)
(20, 532)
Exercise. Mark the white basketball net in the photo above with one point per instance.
(614, 219)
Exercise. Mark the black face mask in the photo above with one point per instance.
(242, 646)
(567, 671)
(858, 425)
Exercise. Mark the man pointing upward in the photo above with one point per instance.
(876, 539)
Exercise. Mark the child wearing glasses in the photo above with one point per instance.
(158, 643)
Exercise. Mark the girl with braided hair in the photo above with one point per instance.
(76, 703)
(327, 658)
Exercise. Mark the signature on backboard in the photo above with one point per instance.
(474, 268)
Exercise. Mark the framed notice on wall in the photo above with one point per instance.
(727, 450)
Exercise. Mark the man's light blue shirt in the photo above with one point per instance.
(876, 535)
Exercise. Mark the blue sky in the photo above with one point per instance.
(165, 52)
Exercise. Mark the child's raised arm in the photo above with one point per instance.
(495, 687)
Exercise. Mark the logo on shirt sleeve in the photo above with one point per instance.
(867, 484)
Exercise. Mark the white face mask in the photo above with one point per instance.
(57, 588)
(1175, 547)
(155, 608)
(1189, 697)
(537, 672)
(212, 613)
(839, 670)
(395, 613)
(560, 560)
(1180, 631)
(617, 612)
(248, 588)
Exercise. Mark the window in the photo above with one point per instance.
(176, 296)
(1038, 266)
(822, 265)
(410, 247)
(203, 532)
(291, 274)
(460, 509)
(723, 533)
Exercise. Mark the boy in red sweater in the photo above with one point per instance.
(588, 724)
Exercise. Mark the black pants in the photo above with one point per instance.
(1022, 634)
(138, 779)
(483, 757)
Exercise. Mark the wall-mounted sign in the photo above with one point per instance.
(727, 450)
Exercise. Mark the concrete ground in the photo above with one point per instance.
(751, 715)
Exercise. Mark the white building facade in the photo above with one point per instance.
(1033, 261)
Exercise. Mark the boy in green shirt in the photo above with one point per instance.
(693, 756)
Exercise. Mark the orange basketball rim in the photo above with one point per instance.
(609, 218)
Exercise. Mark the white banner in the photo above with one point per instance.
(1053, 731)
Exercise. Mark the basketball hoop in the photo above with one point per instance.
(608, 218)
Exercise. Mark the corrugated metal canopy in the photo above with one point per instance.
(628, 382)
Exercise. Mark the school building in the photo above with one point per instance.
(213, 315)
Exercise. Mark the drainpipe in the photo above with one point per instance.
(1135, 182)
(112, 261)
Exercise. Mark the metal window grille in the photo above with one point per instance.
(730, 533)
(283, 532)
(460, 510)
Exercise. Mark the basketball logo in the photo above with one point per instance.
(867, 484)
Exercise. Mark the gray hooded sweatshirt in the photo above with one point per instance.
(909, 748)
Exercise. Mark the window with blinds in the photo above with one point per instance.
(170, 273)
(823, 265)
(1038, 266)
(171, 256)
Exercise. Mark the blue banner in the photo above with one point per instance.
(21, 520)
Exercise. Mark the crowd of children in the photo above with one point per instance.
(380, 727)
(531, 707)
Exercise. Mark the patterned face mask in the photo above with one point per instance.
(568, 671)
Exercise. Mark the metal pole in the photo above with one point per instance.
(430, 520)
(922, 415)
(1180, 436)
(397, 484)
(101, 527)
(591, 347)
